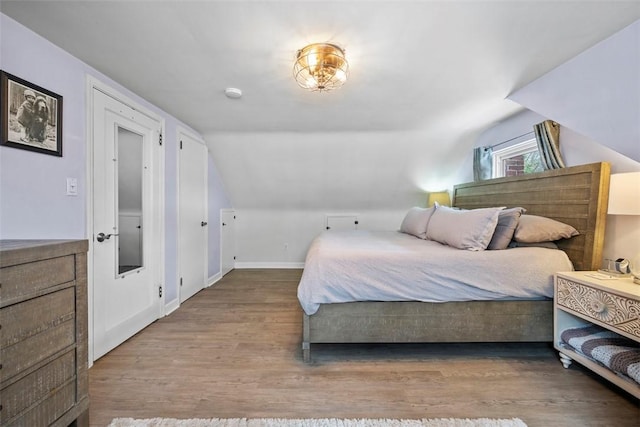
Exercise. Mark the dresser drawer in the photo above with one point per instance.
(618, 313)
(48, 410)
(19, 281)
(37, 386)
(36, 329)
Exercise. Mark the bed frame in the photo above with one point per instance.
(576, 195)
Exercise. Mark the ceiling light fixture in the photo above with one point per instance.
(320, 67)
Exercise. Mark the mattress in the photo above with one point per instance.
(361, 265)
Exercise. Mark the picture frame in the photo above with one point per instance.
(31, 116)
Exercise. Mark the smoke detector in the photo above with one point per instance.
(233, 92)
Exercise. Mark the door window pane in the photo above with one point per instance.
(130, 226)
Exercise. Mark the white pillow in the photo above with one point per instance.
(463, 229)
(416, 220)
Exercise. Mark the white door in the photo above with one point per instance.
(193, 215)
(227, 240)
(125, 280)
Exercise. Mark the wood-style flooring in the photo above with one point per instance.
(233, 350)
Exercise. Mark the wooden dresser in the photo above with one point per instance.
(43, 333)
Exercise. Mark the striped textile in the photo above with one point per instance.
(616, 352)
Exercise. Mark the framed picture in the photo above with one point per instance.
(31, 116)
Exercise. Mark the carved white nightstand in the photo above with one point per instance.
(614, 304)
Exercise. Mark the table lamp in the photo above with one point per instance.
(442, 197)
(624, 199)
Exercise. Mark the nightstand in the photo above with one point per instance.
(614, 304)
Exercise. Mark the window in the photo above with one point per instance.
(517, 159)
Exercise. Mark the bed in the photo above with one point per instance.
(576, 196)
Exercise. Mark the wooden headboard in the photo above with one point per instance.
(577, 196)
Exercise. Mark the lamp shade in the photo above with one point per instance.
(634, 266)
(442, 197)
(624, 194)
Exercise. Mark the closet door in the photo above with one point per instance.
(227, 240)
(192, 188)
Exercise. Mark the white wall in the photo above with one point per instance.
(285, 182)
(32, 185)
(281, 238)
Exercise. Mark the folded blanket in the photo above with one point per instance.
(616, 352)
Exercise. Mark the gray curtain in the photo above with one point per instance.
(548, 138)
(482, 163)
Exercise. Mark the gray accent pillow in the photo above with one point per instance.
(463, 229)
(507, 223)
(416, 220)
(535, 229)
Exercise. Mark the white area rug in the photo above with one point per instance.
(322, 422)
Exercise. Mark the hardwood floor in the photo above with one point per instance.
(233, 350)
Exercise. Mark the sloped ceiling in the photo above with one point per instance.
(426, 77)
(602, 103)
(412, 62)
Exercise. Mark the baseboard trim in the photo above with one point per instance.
(171, 307)
(241, 265)
(214, 279)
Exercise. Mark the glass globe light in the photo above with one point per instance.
(321, 67)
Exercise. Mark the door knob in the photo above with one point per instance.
(101, 237)
(203, 223)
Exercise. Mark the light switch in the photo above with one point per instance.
(72, 186)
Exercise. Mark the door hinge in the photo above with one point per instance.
(181, 144)
(181, 281)
(160, 139)
(234, 257)
(159, 291)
